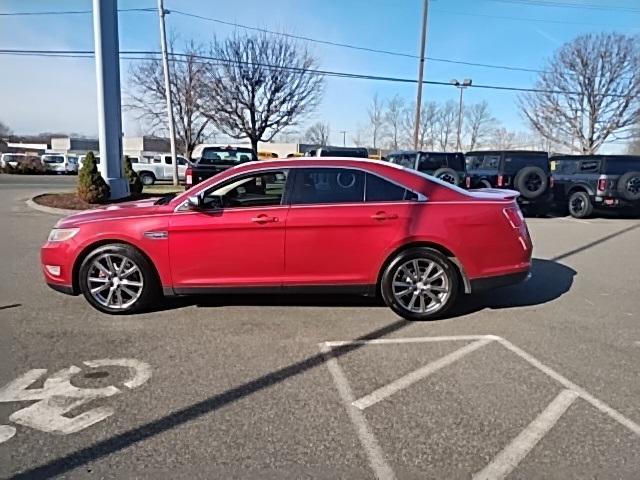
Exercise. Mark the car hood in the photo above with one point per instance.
(109, 212)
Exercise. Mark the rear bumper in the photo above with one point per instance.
(489, 283)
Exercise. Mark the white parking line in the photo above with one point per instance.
(393, 341)
(509, 458)
(378, 464)
(417, 375)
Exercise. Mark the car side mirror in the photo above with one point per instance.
(194, 203)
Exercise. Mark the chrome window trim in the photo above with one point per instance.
(421, 196)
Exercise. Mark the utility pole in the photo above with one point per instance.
(465, 83)
(107, 58)
(423, 44)
(344, 137)
(167, 90)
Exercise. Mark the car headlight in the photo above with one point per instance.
(62, 234)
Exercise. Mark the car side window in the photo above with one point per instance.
(587, 166)
(431, 161)
(262, 189)
(491, 162)
(380, 190)
(327, 185)
(157, 160)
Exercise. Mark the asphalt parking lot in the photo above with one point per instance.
(539, 380)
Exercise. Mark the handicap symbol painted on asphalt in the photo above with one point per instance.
(58, 397)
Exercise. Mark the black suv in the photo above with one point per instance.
(522, 170)
(445, 166)
(582, 182)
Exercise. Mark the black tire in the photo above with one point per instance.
(148, 277)
(147, 178)
(580, 205)
(448, 175)
(629, 186)
(484, 183)
(427, 255)
(531, 182)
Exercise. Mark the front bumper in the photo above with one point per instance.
(58, 254)
(489, 283)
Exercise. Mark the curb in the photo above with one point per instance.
(50, 210)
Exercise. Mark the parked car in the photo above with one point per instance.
(350, 152)
(160, 168)
(522, 170)
(215, 159)
(584, 182)
(11, 159)
(445, 166)
(60, 163)
(330, 225)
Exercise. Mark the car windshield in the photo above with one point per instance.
(226, 156)
(13, 158)
(53, 159)
(619, 166)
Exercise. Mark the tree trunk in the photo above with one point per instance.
(254, 146)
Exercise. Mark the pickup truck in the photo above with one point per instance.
(160, 167)
(215, 159)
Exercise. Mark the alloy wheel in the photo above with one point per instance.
(421, 286)
(533, 182)
(633, 185)
(115, 281)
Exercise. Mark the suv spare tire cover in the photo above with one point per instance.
(629, 186)
(528, 174)
(447, 174)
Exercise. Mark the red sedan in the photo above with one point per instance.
(325, 225)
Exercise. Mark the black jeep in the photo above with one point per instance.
(584, 182)
(443, 165)
(525, 171)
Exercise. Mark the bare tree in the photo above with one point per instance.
(634, 145)
(393, 118)
(590, 93)
(503, 139)
(479, 123)
(445, 125)
(259, 85)
(428, 120)
(5, 131)
(146, 96)
(376, 120)
(318, 134)
(359, 138)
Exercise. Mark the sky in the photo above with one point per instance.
(59, 94)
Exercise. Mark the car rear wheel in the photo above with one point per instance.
(420, 284)
(118, 279)
(531, 182)
(629, 186)
(580, 205)
(448, 175)
(147, 179)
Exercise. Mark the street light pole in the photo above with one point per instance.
(344, 137)
(465, 83)
(167, 90)
(423, 44)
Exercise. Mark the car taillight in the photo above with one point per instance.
(514, 215)
(467, 182)
(551, 181)
(189, 176)
(602, 184)
(500, 180)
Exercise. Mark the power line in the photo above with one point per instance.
(582, 6)
(140, 55)
(70, 12)
(541, 20)
(354, 47)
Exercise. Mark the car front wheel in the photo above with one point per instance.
(420, 284)
(118, 279)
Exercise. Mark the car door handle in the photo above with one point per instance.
(264, 219)
(384, 216)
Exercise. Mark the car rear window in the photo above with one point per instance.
(407, 160)
(381, 190)
(432, 161)
(226, 156)
(487, 161)
(620, 166)
(53, 159)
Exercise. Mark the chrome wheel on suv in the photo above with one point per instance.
(419, 284)
(117, 279)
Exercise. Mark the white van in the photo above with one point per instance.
(60, 163)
